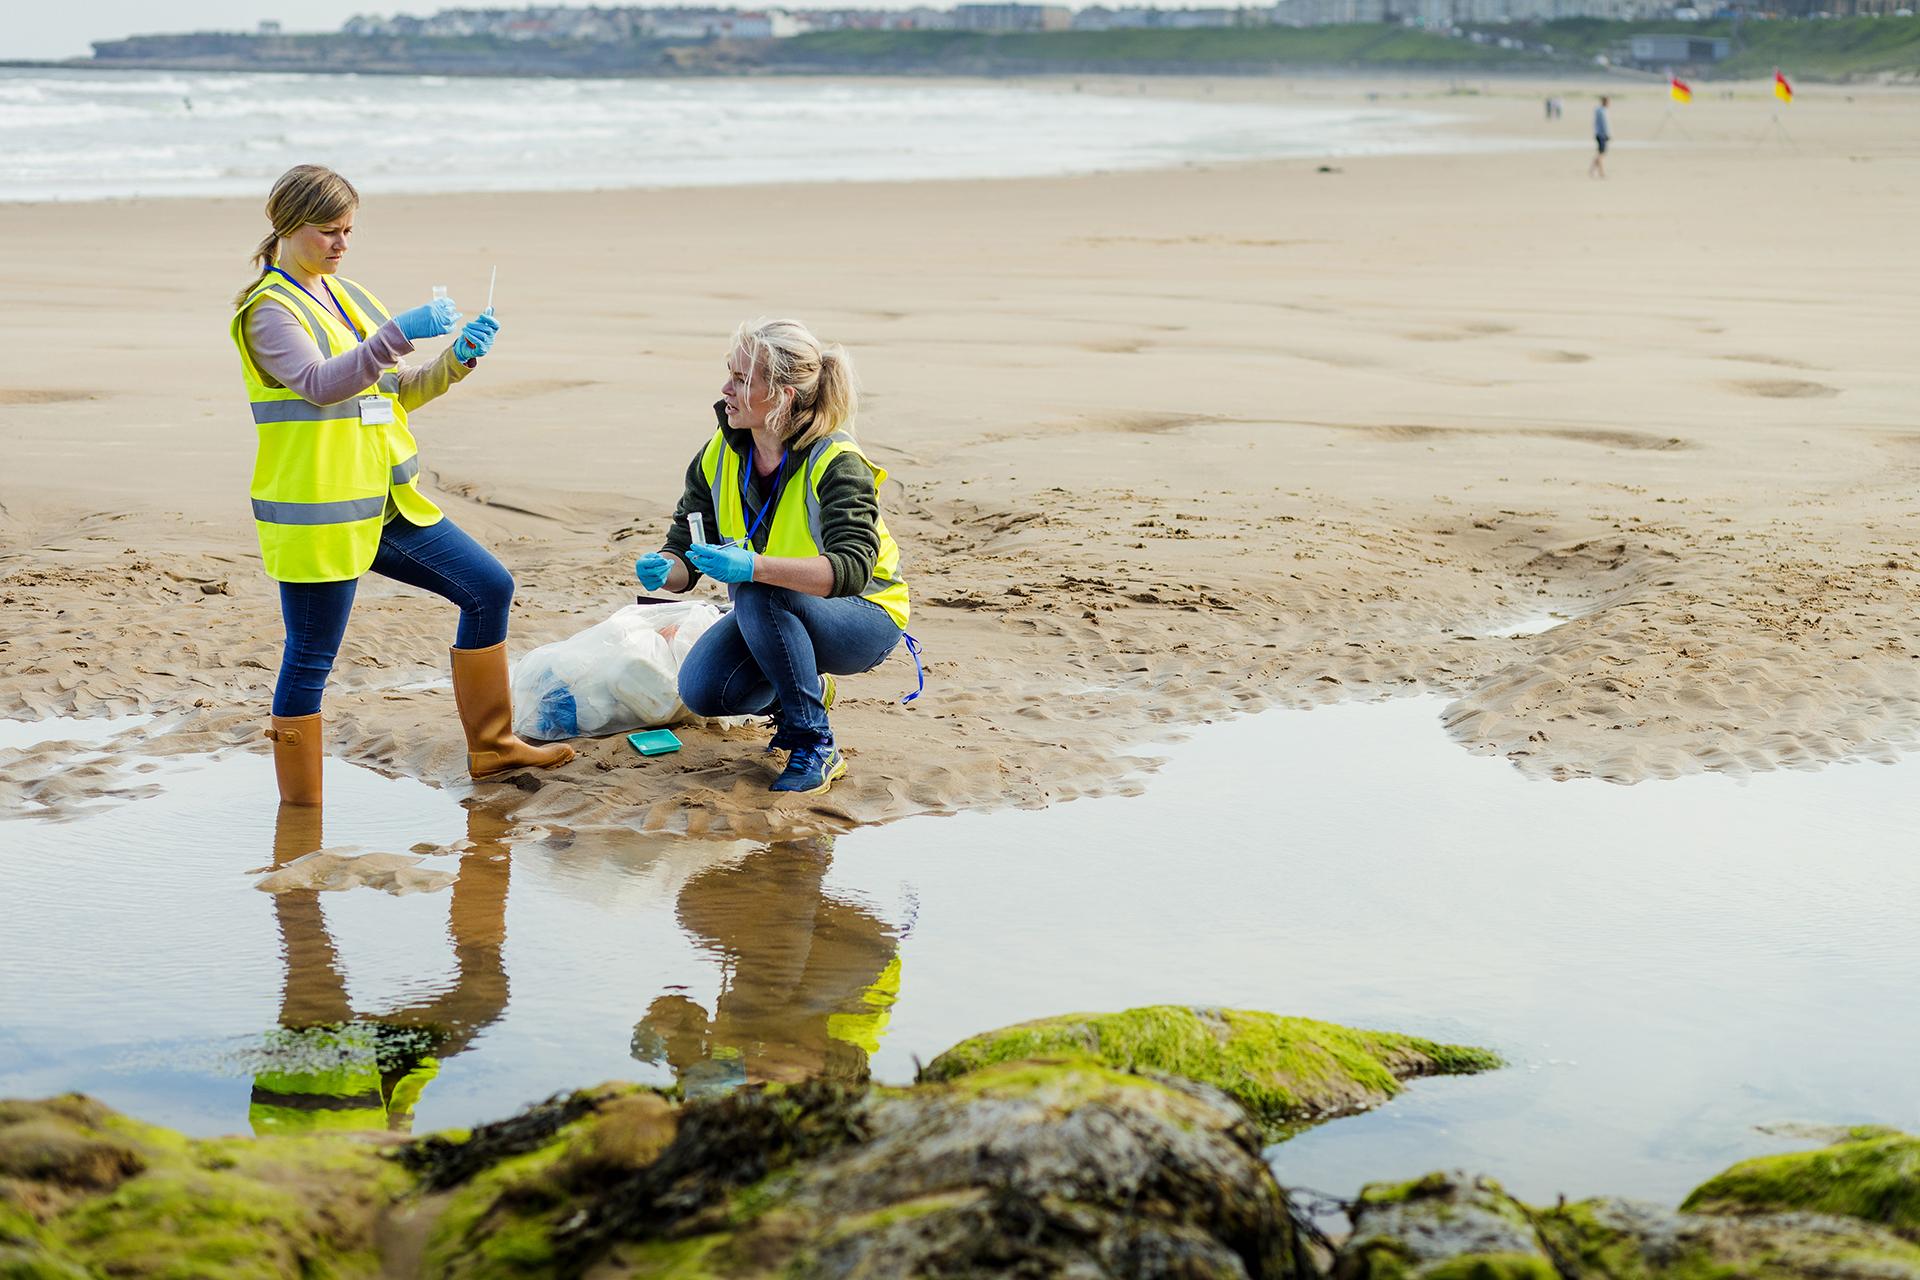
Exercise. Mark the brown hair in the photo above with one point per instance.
(305, 195)
(825, 394)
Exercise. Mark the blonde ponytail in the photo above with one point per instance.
(836, 396)
(262, 258)
(305, 195)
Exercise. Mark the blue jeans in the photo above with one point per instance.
(440, 558)
(770, 650)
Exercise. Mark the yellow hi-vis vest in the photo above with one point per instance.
(322, 478)
(795, 530)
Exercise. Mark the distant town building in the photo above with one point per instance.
(554, 22)
(1101, 18)
(1012, 17)
(268, 27)
(773, 24)
(925, 19)
(1665, 50)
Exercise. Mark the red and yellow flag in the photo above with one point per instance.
(1679, 90)
(1782, 88)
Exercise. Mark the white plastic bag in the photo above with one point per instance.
(616, 676)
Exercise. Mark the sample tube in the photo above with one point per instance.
(697, 526)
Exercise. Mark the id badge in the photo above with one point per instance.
(375, 411)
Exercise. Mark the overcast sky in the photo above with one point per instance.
(42, 30)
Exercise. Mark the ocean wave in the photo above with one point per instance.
(127, 133)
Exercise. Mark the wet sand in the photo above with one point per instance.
(1168, 446)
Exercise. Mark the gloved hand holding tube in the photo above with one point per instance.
(729, 562)
(652, 570)
(429, 319)
(477, 338)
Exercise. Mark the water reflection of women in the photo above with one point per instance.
(808, 980)
(334, 1068)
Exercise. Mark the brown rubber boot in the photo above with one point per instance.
(486, 712)
(297, 753)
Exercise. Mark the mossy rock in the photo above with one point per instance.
(1288, 1072)
(1445, 1226)
(1626, 1238)
(1875, 1177)
(1459, 1227)
(1026, 1168)
(86, 1191)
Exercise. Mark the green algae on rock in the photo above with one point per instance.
(1442, 1227)
(1612, 1237)
(1873, 1176)
(1841, 1212)
(1288, 1072)
(86, 1191)
(1034, 1168)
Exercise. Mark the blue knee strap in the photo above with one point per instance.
(919, 672)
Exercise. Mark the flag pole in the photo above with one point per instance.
(1782, 91)
(1672, 117)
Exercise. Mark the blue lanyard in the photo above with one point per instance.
(919, 672)
(773, 497)
(336, 308)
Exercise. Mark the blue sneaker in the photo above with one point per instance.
(811, 770)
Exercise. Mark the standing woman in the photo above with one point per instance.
(335, 482)
(813, 572)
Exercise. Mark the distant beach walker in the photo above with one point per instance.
(93, 135)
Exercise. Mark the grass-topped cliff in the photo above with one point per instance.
(1837, 49)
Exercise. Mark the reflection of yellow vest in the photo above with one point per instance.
(345, 1095)
(322, 479)
(863, 1030)
(795, 530)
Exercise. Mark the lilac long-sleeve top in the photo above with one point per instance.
(287, 357)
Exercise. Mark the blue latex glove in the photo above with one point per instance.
(730, 564)
(429, 320)
(652, 570)
(477, 338)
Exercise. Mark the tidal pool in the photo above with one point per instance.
(1668, 966)
(19, 734)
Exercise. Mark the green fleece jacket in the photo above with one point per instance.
(849, 511)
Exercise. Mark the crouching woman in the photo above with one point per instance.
(794, 508)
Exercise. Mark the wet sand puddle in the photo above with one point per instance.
(1668, 967)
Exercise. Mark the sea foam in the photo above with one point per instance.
(87, 135)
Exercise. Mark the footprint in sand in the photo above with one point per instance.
(1479, 329)
(1783, 362)
(1562, 357)
(1115, 346)
(1784, 388)
(27, 395)
(527, 390)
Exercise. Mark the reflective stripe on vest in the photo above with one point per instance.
(796, 529)
(365, 303)
(324, 481)
(266, 411)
